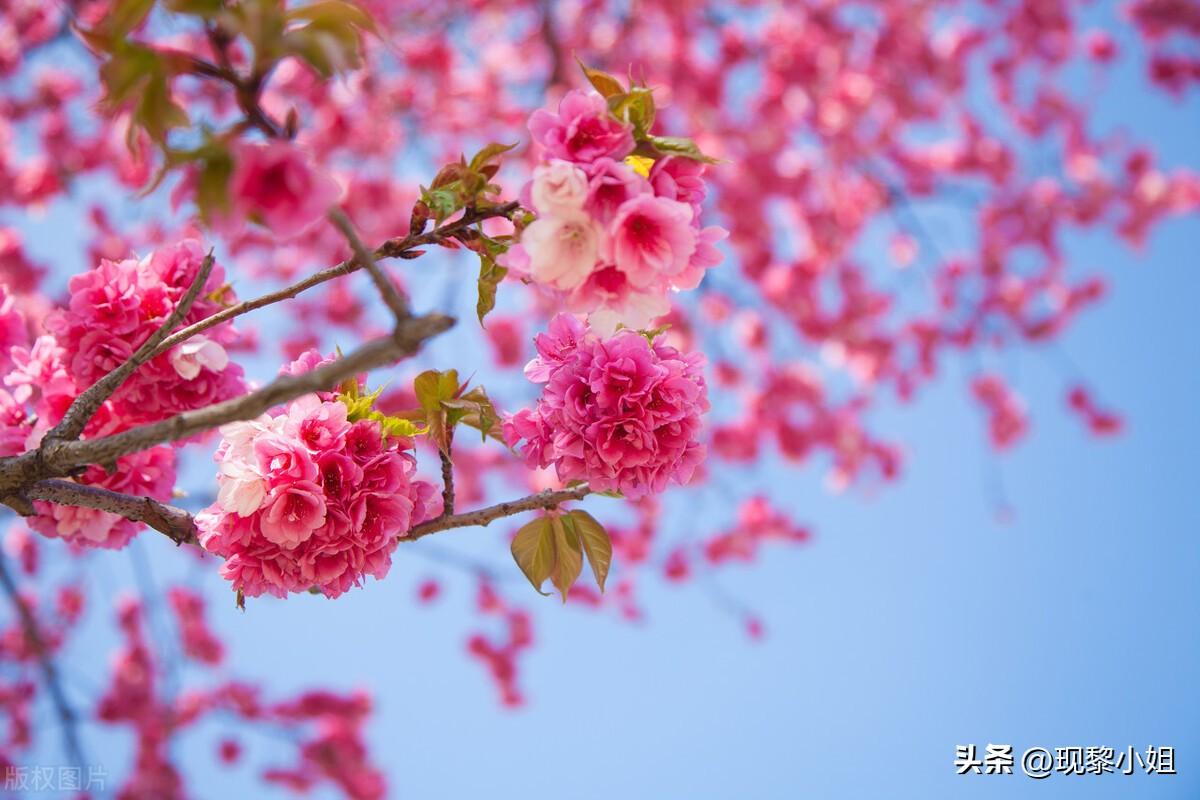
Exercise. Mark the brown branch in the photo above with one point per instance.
(58, 458)
(67, 716)
(176, 523)
(409, 335)
(481, 517)
(387, 289)
(400, 247)
(447, 480)
(85, 406)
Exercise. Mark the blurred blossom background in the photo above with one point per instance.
(1038, 592)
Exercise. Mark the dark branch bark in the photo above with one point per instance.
(176, 523)
(387, 289)
(447, 481)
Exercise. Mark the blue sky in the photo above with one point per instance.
(914, 622)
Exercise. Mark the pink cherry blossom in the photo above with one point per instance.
(620, 413)
(652, 238)
(562, 249)
(13, 330)
(558, 186)
(308, 498)
(292, 511)
(610, 184)
(582, 130)
(275, 183)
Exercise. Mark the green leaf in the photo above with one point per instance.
(125, 15)
(476, 410)
(335, 12)
(443, 201)
(490, 275)
(207, 9)
(679, 146)
(636, 108)
(157, 111)
(604, 83)
(488, 154)
(126, 73)
(212, 185)
(533, 550)
(596, 543)
(568, 556)
(432, 388)
(329, 40)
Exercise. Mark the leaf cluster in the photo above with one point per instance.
(553, 546)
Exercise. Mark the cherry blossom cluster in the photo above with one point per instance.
(622, 413)
(112, 309)
(119, 304)
(613, 235)
(310, 498)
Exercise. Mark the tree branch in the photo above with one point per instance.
(176, 523)
(58, 458)
(548, 499)
(85, 406)
(400, 247)
(67, 716)
(387, 289)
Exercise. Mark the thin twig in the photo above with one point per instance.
(67, 716)
(58, 458)
(400, 247)
(178, 525)
(84, 407)
(387, 289)
(481, 517)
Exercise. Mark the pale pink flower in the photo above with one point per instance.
(275, 183)
(198, 353)
(241, 488)
(558, 186)
(13, 331)
(611, 300)
(562, 249)
(705, 256)
(652, 239)
(582, 130)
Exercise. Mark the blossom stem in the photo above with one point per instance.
(481, 517)
(400, 247)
